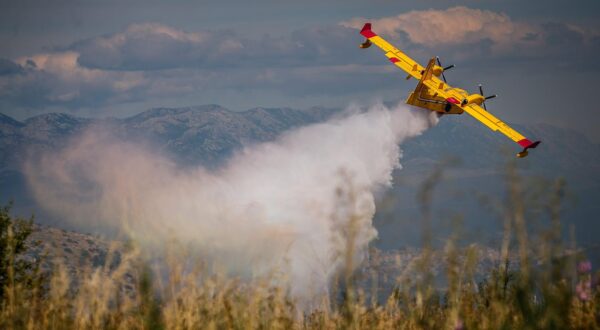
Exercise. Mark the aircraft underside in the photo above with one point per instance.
(436, 104)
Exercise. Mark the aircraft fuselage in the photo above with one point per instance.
(427, 99)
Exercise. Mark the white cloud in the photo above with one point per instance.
(62, 64)
(453, 26)
(153, 46)
(57, 78)
(151, 61)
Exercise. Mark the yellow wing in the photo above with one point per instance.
(396, 56)
(489, 120)
(492, 122)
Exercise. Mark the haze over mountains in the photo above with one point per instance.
(208, 135)
(202, 135)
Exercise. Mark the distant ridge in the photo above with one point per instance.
(205, 134)
(208, 134)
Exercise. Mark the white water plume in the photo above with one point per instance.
(280, 204)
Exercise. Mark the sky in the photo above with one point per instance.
(117, 58)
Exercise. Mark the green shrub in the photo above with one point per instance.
(13, 234)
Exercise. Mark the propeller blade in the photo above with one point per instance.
(481, 93)
(440, 64)
(485, 97)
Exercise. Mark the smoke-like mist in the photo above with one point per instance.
(283, 204)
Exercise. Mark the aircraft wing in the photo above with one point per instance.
(396, 56)
(414, 69)
(480, 114)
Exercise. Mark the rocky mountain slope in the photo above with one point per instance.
(196, 135)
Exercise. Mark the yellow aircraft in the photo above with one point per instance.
(436, 95)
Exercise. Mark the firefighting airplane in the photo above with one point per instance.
(436, 95)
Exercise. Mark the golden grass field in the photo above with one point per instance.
(552, 288)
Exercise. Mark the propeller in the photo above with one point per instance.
(485, 97)
(443, 69)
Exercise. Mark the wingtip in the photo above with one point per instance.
(526, 144)
(366, 31)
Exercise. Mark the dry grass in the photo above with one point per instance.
(551, 288)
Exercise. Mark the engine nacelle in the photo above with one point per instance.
(437, 70)
(473, 99)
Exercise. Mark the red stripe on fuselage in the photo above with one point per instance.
(394, 59)
(453, 100)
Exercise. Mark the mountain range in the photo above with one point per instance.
(475, 160)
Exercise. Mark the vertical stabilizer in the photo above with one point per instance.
(428, 70)
(425, 75)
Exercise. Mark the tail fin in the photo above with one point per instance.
(426, 75)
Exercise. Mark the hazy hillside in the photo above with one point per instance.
(477, 166)
(208, 134)
(197, 135)
(562, 151)
(80, 253)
